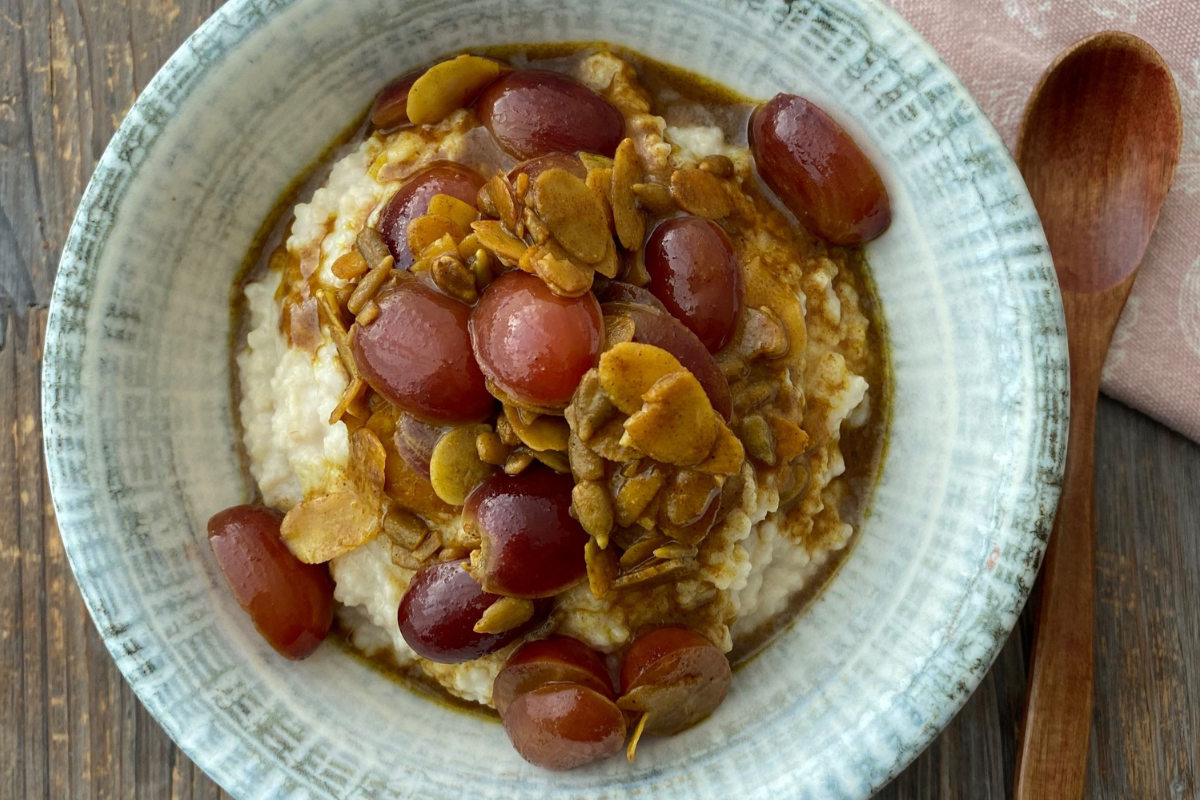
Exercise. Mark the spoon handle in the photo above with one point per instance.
(1052, 761)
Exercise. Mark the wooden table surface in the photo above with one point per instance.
(71, 728)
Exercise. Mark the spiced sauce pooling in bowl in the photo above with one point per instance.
(553, 371)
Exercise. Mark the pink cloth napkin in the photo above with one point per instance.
(1000, 48)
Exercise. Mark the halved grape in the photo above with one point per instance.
(535, 112)
(391, 106)
(564, 725)
(534, 345)
(290, 602)
(674, 676)
(438, 613)
(694, 272)
(660, 329)
(417, 354)
(531, 545)
(559, 659)
(818, 171)
(620, 292)
(412, 200)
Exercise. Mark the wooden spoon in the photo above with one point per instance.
(1098, 149)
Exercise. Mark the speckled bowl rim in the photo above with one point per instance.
(87, 238)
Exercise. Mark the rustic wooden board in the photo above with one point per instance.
(71, 728)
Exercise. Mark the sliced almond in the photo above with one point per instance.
(727, 454)
(791, 441)
(610, 265)
(593, 161)
(541, 433)
(366, 464)
(655, 573)
(628, 220)
(632, 494)
(501, 195)
(455, 467)
(628, 370)
(450, 207)
(689, 495)
(676, 424)
(449, 86)
(326, 526)
(718, 165)
(564, 277)
(600, 182)
(700, 193)
(503, 244)
(572, 213)
(609, 443)
(491, 449)
(554, 460)
(428, 228)
(518, 461)
(405, 528)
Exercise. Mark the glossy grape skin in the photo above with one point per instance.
(563, 726)
(391, 106)
(559, 659)
(534, 112)
(531, 545)
(437, 615)
(532, 344)
(536, 166)
(620, 292)
(694, 272)
(817, 170)
(660, 329)
(290, 602)
(415, 441)
(674, 675)
(417, 354)
(412, 200)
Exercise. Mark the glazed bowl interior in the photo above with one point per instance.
(140, 435)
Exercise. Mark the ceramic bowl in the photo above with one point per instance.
(140, 438)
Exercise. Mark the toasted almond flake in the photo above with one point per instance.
(554, 460)
(504, 615)
(608, 442)
(790, 439)
(326, 526)
(450, 207)
(572, 214)
(688, 497)
(633, 494)
(600, 182)
(540, 432)
(501, 195)
(676, 423)
(564, 277)
(628, 370)
(610, 265)
(700, 193)
(405, 528)
(642, 550)
(350, 396)
(627, 171)
(503, 244)
(449, 86)
(654, 573)
(585, 465)
(593, 161)
(727, 454)
(429, 228)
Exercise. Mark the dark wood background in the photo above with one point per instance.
(71, 728)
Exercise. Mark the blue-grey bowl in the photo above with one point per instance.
(140, 438)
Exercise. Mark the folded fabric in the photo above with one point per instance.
(1000, 48)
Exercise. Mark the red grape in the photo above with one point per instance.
(290, 602)
(660, 329)
(417, 354)
(694, 272)
(412, 200)
(534, 345)
(675, 676)
(391, 106)
(559, 659)
(438, 613)
(536, 166)
(531, 545)
(564, 725)
(818, 171)
(535, 112)
(619, 292)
